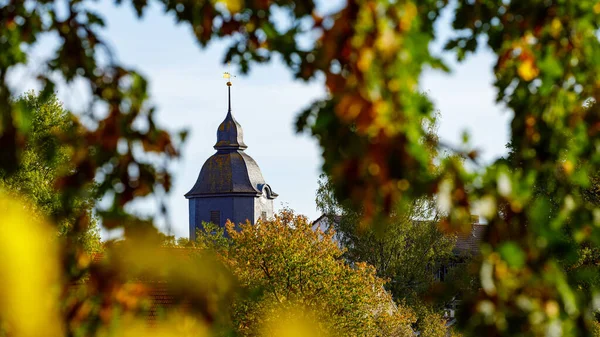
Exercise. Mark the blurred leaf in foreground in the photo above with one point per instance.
(30, 279)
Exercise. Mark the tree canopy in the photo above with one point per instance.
(408, 252)
(45, 159)
(293, 268)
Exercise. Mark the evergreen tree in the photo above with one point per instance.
(43, 161)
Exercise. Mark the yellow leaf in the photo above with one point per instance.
(410, 12)
(365, 59)
(233, 6)
(556, 27)
(568, 166)
(552, 309)
(29, 281)
(527, 70)
(387, 41)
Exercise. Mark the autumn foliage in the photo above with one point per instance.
(371, 128)
(291, 268)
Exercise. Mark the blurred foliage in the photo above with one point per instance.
(101, 140)
(585, 258)
(370, 127)
(139, 284)
(546, 73)
(44, 160)
(30, 279)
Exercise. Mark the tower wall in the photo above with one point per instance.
(237, 209)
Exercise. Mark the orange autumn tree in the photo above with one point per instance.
(291, 268)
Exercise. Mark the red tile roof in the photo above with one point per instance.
(158, 292)
(162, 299)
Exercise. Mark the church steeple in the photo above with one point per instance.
(230, 136)
(230, 184)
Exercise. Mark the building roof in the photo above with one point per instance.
(160, 293)
(230, 135)
(230, 171)
(469, 243)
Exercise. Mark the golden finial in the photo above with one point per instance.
(228, 76)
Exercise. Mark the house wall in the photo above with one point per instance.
(263, 204)
(323, 224)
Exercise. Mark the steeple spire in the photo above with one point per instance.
(230, 184)
(229, 95)
(230, 136)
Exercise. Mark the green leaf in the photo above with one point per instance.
(512, 254)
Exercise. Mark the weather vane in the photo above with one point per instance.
(228, 75)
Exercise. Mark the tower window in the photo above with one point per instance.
(264, 216)
(215, 217)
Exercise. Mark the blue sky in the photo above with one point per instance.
(187, 87)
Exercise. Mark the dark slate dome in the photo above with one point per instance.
(230, 170)
(230, 135)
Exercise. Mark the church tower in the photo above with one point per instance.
(230, 185)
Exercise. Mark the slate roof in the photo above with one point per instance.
(230, 135)
(230, 170)
(469, 243)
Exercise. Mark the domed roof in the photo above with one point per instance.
(230, 170)
(230, 135)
